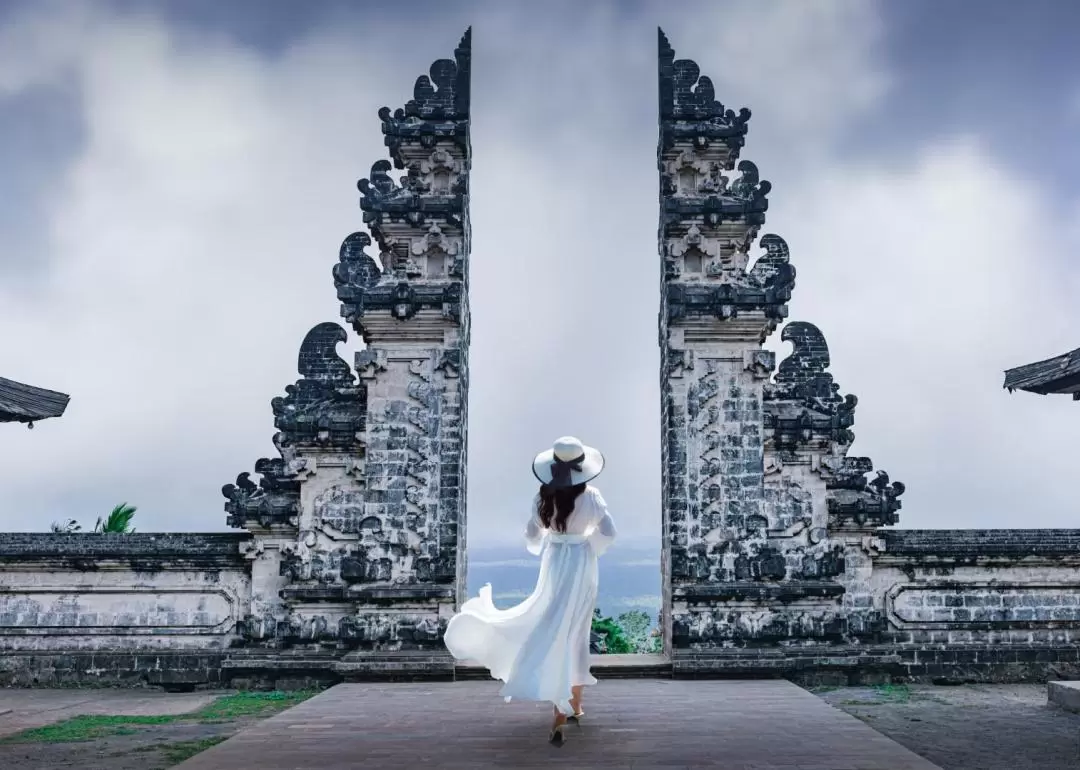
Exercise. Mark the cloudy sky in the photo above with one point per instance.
(176, 178)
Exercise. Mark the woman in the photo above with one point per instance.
(540, 648)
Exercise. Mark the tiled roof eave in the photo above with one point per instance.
(26, 403)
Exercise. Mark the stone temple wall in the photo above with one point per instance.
(119, 609)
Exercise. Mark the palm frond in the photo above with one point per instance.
(119, 520)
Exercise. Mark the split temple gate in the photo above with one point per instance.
(776, 560)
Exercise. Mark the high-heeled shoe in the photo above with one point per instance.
(556, 738)
(576, 716)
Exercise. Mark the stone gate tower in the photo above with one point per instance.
(358, 548)
(765, 520)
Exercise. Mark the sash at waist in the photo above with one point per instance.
(560, 537)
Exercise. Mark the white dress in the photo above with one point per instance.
(540, 648)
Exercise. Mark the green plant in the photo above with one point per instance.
(119, 520)
(66, 528)
(615, 641)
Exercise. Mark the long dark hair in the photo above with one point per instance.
(556, 505)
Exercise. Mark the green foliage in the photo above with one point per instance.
(242, 705)
(637, 628)
(227, 708)
(631, 633)
(86, 728)
(119, 520)
(614, 638)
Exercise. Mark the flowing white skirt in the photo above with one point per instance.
(540, 648)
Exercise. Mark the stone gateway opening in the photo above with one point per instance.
(776, 557)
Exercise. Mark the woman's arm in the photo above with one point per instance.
(602, 533)
(534, 532)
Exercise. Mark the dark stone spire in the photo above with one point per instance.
(439, 108)
(688, 105)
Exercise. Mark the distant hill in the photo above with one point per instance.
(629, 575)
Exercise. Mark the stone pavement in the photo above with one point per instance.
(738, 725)
(972, 727)
(24, 709)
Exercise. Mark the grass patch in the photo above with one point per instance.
(893, 693)
(227, 708)
(175, 753)
(85, 728)
(243, 705)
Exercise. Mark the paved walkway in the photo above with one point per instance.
(738, 725)
(22, 709)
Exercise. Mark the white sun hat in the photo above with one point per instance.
(568, 463)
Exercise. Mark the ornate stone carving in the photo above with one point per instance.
(803, 402)
(760, 363)
(765, 288)
(273, 502)
(354, 275)
(855, 501)
(756, 485)
(441, 253)
(385, 202)
(370, 362)
(688, 105)
(439, 109)
(325, 407)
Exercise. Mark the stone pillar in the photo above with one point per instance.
(755, 473)
(359, 554)
(715, 314)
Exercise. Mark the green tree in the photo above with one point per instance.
(615, 641)
(636, 626)
(119, 520)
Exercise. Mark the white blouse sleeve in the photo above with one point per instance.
(534, 531)
(602, 532)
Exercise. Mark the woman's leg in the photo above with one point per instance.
(557, 724)
(578, 692)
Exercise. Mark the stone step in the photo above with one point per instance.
(1064, 694)
(602, 666)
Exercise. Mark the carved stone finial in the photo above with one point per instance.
(439, 108)
(355, 274)
(325, 407)
(749, 187)
(774, 272)
(379, 187)
(274, 502)
(318, 359)
(803, 372)
(803, 406)
(687, 96)
(855, 502)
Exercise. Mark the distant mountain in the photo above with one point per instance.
(629, 576)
